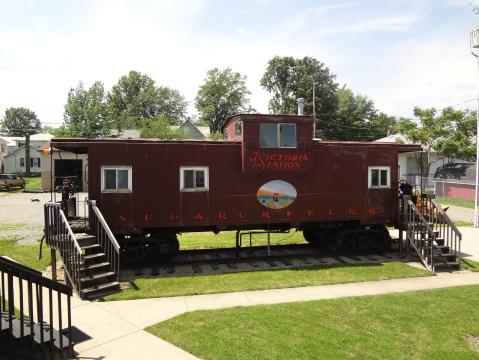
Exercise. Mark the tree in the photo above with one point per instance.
(288, 79)
(86, 112)
(160, 128)
(356, 119)
(21, 122)
(449, 133)
(135, 100)
(223, 93)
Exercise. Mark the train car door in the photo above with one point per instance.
(194, 194)
(380, 188)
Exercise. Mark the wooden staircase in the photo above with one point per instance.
(96, 276)
(431, 233)
(90, 253)
(30, 305)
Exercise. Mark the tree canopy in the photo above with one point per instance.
(160, 128)
(287, 79)
(449, 133)
(223, 93)
(135, 100)
(86, 112)
(20, 122)
(356, 118)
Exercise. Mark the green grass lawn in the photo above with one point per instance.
(455, 202)
(434, 324)
(463, 223)
(271, 279)
(24, 254)
(470, 265)
(227, 239)
(33, 183)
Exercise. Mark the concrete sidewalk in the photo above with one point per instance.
(116, 327)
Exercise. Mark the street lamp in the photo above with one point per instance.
(474, 45)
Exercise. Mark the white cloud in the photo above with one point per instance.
(383, 23)
(427, 74)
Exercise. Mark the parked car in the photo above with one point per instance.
(9, 181)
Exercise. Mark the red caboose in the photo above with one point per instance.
(269, 174)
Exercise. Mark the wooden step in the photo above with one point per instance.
(449, 265)
(48, 332)
(98, 276)
(91, 249)
(93, 258)
(84, 239)
(101, 289)
(96, 266)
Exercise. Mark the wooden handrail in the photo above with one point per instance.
(70, 233)
(104, 236)
(444, 214)
(59, 236)
(33, 275)
(105, 225)
(32, 311)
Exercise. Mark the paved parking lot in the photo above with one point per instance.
(22, 218)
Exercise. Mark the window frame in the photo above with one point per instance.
(206, 171)
(370, 177)
(238, 128)
(116, 167)
(278, 136)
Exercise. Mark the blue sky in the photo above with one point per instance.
(400, 53)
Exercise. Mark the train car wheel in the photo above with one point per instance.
(313, 235)
(380, 239)
(330, 240)
(166, 246)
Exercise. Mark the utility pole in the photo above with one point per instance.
(314, 109)
(27, 153)
(474, 45)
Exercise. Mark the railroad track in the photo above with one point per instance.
(256, 258)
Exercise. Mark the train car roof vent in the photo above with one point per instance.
(300, 106)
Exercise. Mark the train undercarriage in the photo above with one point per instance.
(162, 246)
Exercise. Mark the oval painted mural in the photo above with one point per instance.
(276, 194)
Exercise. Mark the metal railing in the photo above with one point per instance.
(100, 229)
(441, 223)
(25, 302)
(419, 233)
(59, 236)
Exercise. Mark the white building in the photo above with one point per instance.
(14, 161)
(63, 164)
(410, 163)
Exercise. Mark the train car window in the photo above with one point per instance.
(287, 135)
(238, 128)
(269, 135)
(278, 135)
(116, 179)
(194, 178)
(379, 177)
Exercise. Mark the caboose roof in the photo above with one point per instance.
(268, 118)
(81, 145)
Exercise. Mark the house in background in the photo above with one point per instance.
(192, 131)
(62, 164)
(3, 152)
(14, 160)
(456, 180)
(446, 177)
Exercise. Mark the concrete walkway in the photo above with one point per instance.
(458, 213)
(116, 327)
